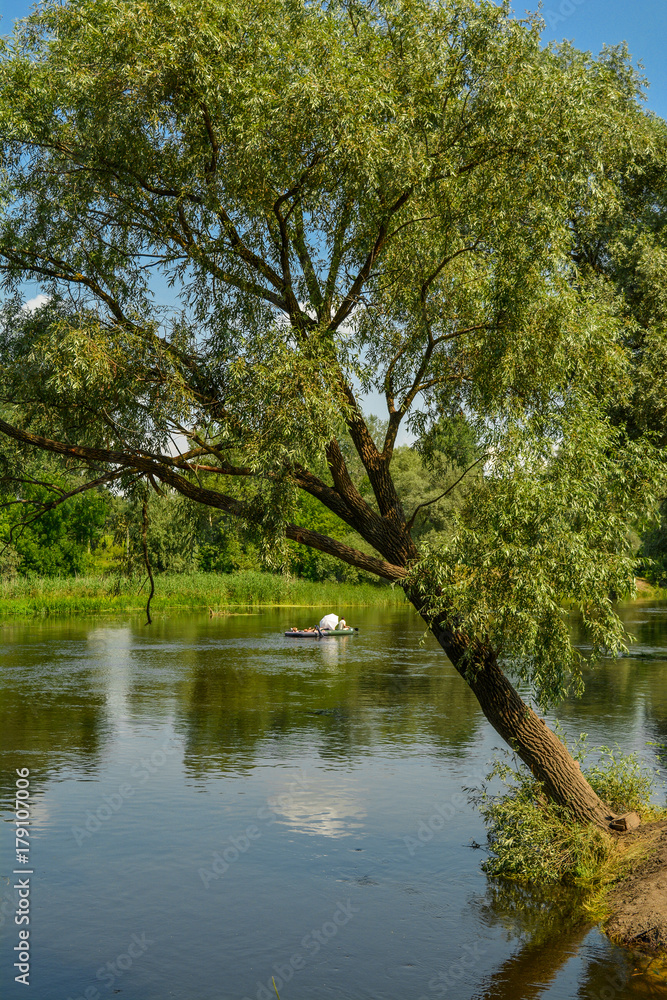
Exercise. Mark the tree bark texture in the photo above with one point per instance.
(536, 745)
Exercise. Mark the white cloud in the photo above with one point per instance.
(328, 811)
(36, 303)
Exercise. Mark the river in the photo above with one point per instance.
(213, 805)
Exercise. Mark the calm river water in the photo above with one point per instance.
(214, 804)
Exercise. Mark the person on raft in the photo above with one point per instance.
(330, 623)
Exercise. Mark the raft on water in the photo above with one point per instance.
(319, 633)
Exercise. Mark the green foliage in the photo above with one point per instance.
(9, 561)
(432, 483)
(224, 545)
(533, 840)
(171, 533)
(626, 240)
(621, 780)
(430, 476)
(652, 554)
(537, 841)
(56, 541)
(311, 564)
(227, 553)
(547, 527)
(450, 442)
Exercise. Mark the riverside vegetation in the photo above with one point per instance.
(533, 840)
(34, 595)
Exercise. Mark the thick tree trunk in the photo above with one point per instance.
(537, 746)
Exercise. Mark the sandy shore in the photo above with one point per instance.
(639, 903)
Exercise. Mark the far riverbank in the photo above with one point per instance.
(218, 592)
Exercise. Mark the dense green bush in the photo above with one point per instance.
(60, 541)
(621, 780)
(531, 839)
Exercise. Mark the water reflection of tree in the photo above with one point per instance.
(622, 974)
(53, 711)
(229, 710)
(550, 926)
(234, 690)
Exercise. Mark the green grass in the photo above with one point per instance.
(21, 596)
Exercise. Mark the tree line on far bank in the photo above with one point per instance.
(101, 531)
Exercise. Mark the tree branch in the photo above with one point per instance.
(62, 495)
(306, 262)
(341, 551)
(337, 254)
(427, 503)
(210, 498)
(352, 296)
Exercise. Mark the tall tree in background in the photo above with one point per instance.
(341, 197)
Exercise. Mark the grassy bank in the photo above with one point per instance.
(536, 842)
(195, 591)
(648, 592)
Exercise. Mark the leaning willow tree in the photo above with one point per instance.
(247, 215)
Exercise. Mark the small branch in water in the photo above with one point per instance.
(144, 531)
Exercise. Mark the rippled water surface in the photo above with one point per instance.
(215, 805)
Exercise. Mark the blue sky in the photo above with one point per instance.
(590, 24)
